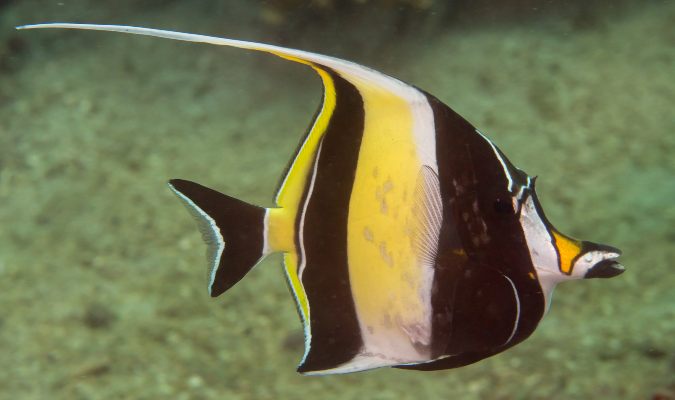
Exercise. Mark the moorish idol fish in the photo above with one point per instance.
(409, 239)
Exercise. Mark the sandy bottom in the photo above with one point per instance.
(102, 282)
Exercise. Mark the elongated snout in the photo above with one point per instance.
(600, 260)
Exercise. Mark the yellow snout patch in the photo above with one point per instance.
(568, 250)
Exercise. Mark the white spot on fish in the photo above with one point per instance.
(418, 333)
(381, 195)
(368, 234)
(475, 240)
(408, 278)
(459, 189)
(386, 255)
(386, 321)
(383, 206)
(388, 186)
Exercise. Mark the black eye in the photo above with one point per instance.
(503, 206)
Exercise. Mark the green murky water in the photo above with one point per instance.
(102, 286)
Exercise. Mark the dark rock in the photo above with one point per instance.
(98, 316)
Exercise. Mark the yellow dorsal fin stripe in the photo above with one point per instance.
(290, 191)
(568, 250)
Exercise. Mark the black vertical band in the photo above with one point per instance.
(484, 299)
(336, 335)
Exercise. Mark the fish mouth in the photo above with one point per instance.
(606, 268)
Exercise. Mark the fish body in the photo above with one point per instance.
(409, 239)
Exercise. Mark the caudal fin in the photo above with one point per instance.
(233, 230)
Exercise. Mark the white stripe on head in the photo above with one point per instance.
(501, 161)
(542, 251)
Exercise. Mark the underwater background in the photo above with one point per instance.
(102, 272)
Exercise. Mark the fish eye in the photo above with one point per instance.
(502, 206)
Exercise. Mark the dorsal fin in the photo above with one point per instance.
(353, 72)
(363, 78)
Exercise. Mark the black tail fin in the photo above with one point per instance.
(233, 230)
